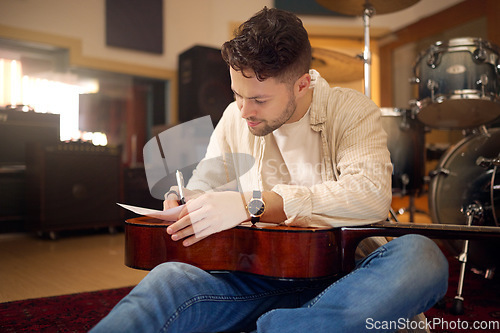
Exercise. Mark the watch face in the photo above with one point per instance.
(256, 207)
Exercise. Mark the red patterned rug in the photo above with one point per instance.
(80, 312)
(67, 313)
(481, 304)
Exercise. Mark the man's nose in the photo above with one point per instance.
(246, 109)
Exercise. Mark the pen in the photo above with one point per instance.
(180, 184)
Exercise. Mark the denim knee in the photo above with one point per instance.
(425, 257)
(169, 268)
(172, 274)
(418, 246)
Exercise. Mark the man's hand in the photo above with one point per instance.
(172, 197)
(208, 214)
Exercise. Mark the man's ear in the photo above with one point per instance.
(302, 84)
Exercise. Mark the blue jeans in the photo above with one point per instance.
(400, 279)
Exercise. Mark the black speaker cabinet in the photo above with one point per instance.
(18, 128)
(204, 84)
(12, 199)
(72, 186)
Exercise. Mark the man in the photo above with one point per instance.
(320, 159)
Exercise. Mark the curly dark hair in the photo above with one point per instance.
(273, 43)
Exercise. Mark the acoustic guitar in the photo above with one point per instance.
(274, 251)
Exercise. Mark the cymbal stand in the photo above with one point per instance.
(473, 211)
(393, 215)
(367, 56)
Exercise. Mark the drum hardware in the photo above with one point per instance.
(473, 211)
(432, 86)
(488, 273)
(481, 130)
(406, 117)
(480, 53)
(393, 215)
(487, 162)
(413, 80)
(439, 171)
(411, 209)
(483, 82)
(414, 108)
(434, 58)
(405, 180)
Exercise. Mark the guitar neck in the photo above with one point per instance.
(430, 228)
(439, 231)
(349, 237)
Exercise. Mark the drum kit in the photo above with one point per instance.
(458, 88)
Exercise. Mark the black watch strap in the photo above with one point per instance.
(257, 196)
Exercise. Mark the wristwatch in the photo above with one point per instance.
(256, 207)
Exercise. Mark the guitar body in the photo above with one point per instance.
(275, 251)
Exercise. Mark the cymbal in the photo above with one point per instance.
(335, 66)
(357, 7)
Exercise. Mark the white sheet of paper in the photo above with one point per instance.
(167, 215)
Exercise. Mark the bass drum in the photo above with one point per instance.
(458, 182)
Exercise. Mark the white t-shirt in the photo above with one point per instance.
(295, 155)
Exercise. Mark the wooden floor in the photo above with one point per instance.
(402, 205)
(31, 267)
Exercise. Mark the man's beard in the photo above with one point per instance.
(271, 125)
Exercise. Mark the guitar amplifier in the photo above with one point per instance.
(73, 186)
(18, 128)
